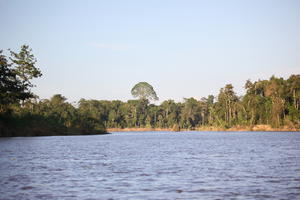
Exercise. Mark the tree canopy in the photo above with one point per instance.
(16, 75)
(144, 90)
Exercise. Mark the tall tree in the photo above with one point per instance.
(15, 76)
(275, 90)
(25, 66)
(227, 100)
(294, 90)
(144, 90)
(190, 113)
(10, 87)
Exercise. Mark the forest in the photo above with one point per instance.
(274, 102)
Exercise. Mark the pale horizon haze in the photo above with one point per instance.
(101, 49)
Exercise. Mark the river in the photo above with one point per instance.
(152, 165)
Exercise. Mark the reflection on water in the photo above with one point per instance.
(152, 165)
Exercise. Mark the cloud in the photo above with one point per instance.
(115, 47)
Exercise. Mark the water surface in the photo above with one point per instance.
(152, 165)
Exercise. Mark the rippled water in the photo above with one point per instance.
(152, 165)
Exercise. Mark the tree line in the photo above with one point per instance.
(274, 102)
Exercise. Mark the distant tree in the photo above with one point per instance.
(275, 90)
(190, 113)
(115, 115)
(226, 103)
(210, 105)
(144, 90)
(170, 113)
(57, 99)
(294, 90)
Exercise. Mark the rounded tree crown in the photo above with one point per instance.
(144, 90)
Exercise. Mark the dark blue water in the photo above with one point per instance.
(152, 165)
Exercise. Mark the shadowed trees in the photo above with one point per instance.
(190, 113)
(16, 76)
(10, 87)
(23, 114)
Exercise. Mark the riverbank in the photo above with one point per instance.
(29, 128)
(209, 128)
(37, 131)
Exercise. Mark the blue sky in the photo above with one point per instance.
(100, 49)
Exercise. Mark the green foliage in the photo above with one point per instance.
(25, 68)
(15, 77)
(144, 90)
(274, 102)
(190, 113)
(11, 90)
(22, 114)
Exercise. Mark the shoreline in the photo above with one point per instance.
(256, 128)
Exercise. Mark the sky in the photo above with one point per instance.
(101, 49)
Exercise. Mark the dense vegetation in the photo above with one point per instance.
(274, 102)
(22, 114)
